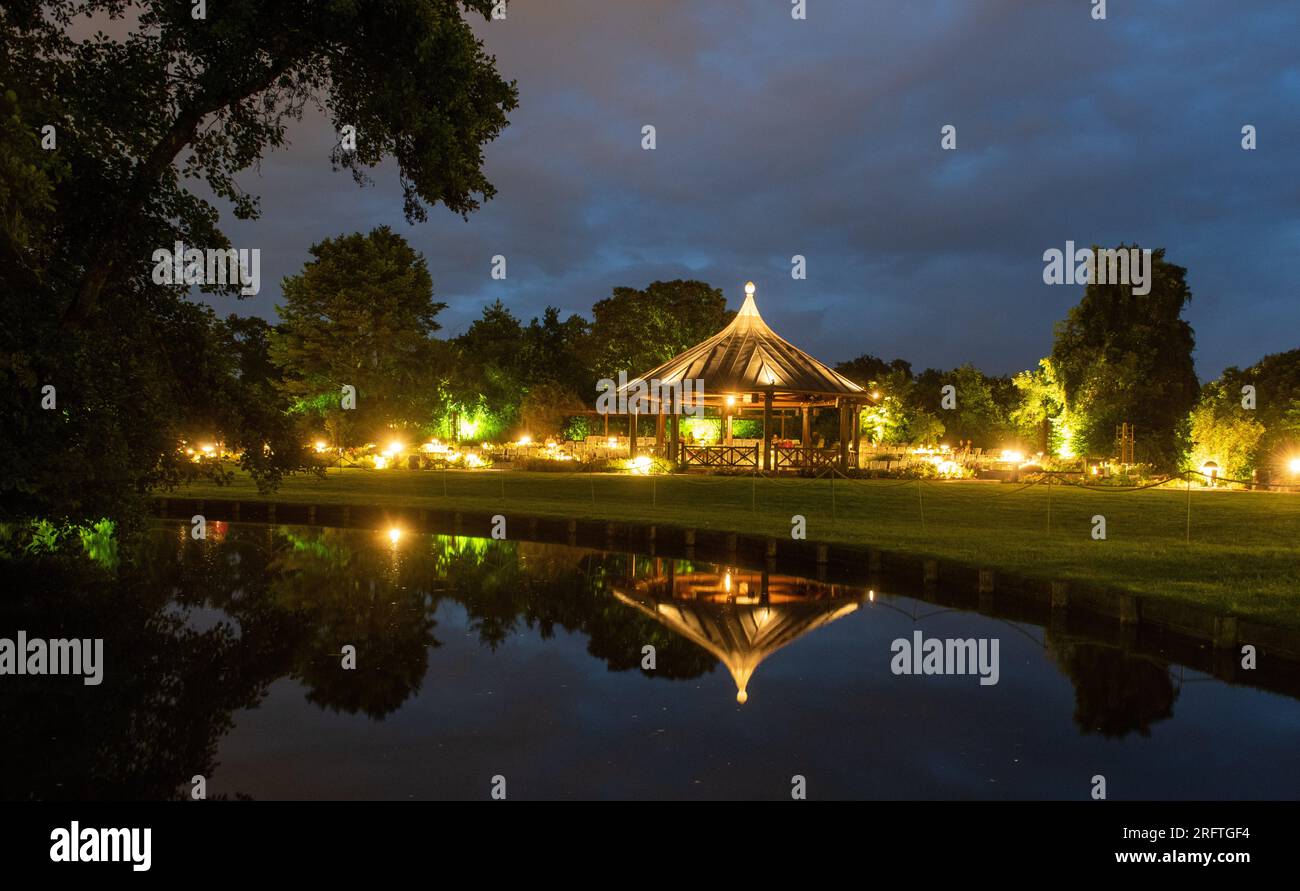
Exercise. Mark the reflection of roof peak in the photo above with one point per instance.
(740, 636)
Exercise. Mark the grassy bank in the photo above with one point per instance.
(1243, 557)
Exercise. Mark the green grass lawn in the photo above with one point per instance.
(1243, 558)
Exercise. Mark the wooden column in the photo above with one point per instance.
(806, 441)
(674, 436)
(726, 426)
(767, 429)
(631, 433)
(844, 436)
(659, 430)
(857, 435)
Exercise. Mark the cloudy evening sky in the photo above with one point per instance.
(821, 137)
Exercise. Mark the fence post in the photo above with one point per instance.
(1049, 503)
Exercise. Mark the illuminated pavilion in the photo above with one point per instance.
(747, 367)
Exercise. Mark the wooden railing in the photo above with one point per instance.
(800, 457)
(720, 456)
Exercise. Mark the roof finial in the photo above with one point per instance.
(748, 309)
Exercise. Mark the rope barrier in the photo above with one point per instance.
(969, 496)
(859, 487)
(1113, 490)
(1225, 479)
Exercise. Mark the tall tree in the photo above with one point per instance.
(488, 380)
(553, 352)
(634, 330)
(1039, 415)
(1123, 357)
(360, 314)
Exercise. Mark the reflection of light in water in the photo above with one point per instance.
(394, 535)
(726, 582)
(871, 595)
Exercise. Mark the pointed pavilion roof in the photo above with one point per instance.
(748, 356)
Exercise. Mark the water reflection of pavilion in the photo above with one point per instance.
(739, 616)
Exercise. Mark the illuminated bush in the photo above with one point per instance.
(705, 431)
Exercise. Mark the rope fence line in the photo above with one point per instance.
(618, 485)
(1113, 490)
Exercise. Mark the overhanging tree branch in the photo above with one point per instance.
(104, 260)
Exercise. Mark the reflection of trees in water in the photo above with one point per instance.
(1115, 693)
(167, 695)
(286, 602)
(364, 597)
(542, 587)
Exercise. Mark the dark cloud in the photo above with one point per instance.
(821, 138)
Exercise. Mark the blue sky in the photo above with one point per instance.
(821, 137)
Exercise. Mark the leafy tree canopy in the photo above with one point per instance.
(361, 314)
(1121, 357)
(634, 330)
(1254, 431)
